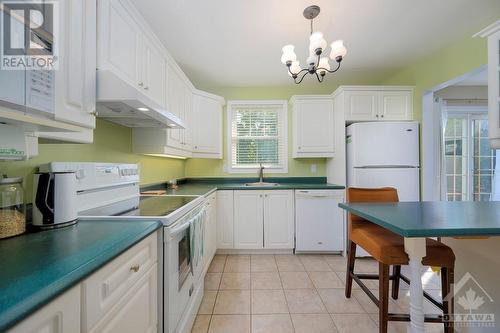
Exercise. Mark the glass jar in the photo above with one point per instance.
(12, 207)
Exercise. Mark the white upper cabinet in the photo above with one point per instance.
(313, 126)
(492, 32)
(154, 72)
(119, 42)
(372, 103)
(207, 126)
(76, 78)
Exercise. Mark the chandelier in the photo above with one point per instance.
(316, 64)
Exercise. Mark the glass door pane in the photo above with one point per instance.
(456, 159)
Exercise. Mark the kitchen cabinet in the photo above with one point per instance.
(210, 244)
(376, 103)
(319, 221)
(120, 297)
(492, 32)
(130, 50)
(59, 103)
(59, 316)
(248, 220)
(154, 72)
(263, 219)
(207, 125)
(278, 219)
(137, 311)
(176, 101)
(225, 219)
(313, 126)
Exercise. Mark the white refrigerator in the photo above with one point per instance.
(381, 154)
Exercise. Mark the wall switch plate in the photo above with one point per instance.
(314, 168)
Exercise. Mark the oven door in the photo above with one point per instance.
(179, 281)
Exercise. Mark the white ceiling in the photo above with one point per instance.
(238, 42)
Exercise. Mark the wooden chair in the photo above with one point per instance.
(388, 249)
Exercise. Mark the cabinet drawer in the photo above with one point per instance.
(107, 286)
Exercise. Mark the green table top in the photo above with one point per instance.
(432, 218)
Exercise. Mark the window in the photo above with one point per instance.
(469, 161)
(257, 133)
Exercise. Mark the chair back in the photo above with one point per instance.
(357, 194)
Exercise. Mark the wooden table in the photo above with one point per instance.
(417, 220)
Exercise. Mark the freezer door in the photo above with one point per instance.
(383, 144)
(405, 180)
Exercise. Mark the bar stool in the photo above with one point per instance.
(388, 249)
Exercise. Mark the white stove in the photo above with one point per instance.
(111, 191)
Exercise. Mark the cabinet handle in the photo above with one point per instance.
(146, 88)
(94, 113)
(300, 147)
(260, 195)
(265, 195)
(135, 268)
(141, 84)
(376, 115)
(195, 147)
(382, 116)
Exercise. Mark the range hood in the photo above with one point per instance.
(124, 104)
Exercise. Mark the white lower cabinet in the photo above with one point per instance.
(62, 315)
(121, 297)
(210, 243)
(137, 311)
(225, 211)
(248, 220)
(278, 220)
(263, 219)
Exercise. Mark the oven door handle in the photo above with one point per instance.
(179, 229)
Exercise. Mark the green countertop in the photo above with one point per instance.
(432, 218)
(37, 267)
(205, 186)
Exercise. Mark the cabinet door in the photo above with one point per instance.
(154, 73)
(210, 244)
(278, 220)
(314, 128)
(395, 105)
(175, 105)
(59, 316)
(137, 311)
(187, 118)
(225, 219)
(75, 80)
(361, 105)
(207, 127)
(119, 46)
(248, 219)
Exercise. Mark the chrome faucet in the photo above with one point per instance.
(261, 173)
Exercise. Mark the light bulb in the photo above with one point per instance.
(338, 49)
(295, 68)
(288, 54)
(316, 41)
(312, 59)
(323, 63)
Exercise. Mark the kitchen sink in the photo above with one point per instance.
(261, 184)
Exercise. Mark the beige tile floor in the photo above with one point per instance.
(295, 294)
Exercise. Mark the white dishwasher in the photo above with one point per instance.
(319, 222)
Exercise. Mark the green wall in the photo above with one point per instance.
(296, 167)
(112, 143)
(448, 63)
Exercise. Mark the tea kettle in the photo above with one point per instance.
(54, 199)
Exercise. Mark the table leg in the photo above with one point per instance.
(415, 248)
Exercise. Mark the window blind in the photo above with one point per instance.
(257, 136)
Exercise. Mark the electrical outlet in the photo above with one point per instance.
(314, 168)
